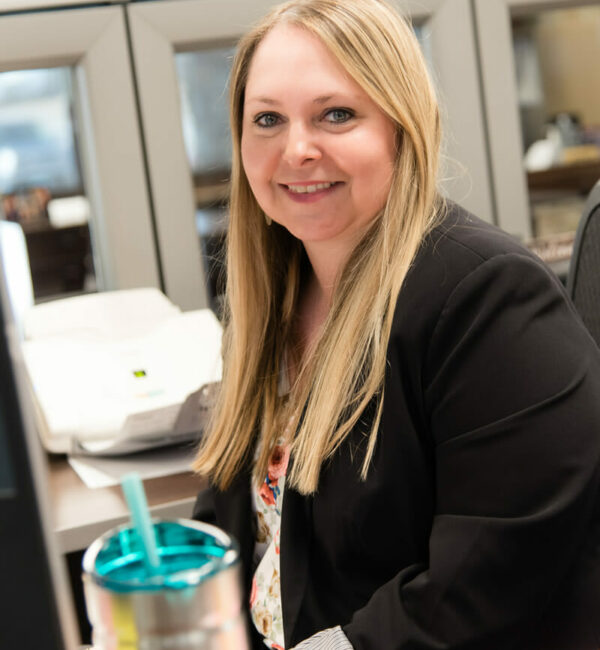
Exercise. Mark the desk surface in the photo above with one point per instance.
(81, 514)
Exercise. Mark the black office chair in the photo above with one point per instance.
(583, 282)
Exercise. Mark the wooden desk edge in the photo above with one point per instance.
(80, 514)
(79, 537)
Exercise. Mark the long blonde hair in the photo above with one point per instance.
(346, 371)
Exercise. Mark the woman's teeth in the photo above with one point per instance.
(307, 189)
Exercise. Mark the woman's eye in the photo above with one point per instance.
(338, 115)
(266, 120)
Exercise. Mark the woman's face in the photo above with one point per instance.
(317, 151)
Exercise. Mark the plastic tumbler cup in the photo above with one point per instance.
(192, 601)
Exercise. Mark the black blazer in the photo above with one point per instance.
(479, 523)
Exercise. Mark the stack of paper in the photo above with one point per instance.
(111, 372)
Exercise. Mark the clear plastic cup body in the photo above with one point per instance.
(193, 601)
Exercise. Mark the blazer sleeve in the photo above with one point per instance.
(511, 386)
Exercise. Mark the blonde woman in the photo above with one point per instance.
(406, 442)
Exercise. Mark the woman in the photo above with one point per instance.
(407, 434)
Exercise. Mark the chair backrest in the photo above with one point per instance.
(15, 261)
(583, 282)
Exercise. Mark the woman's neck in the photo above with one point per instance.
(326, 261)
(312, 310)
(311, 313)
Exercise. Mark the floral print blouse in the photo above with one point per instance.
(265, 597)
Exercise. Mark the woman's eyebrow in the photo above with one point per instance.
(321, 99)
(339, 97)
(262, 100)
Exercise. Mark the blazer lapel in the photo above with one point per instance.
(233, 509)
(295, 542)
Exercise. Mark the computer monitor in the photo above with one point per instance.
(36, 608)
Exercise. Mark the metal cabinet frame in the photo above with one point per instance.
(94, 41)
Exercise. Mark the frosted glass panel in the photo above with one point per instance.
(41, 186)
(203, 77)
(37, 144)
(203, 84)
(423, 34)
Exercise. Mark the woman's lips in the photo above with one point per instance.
(309, 192)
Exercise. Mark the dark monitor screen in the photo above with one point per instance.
(33, 587)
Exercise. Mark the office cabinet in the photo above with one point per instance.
(155, 218)
(92, 42)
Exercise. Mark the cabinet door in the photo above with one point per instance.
(90, 45)
(189, 195)
(188, 202)
(542, 96)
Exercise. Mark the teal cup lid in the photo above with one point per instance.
(190, 552)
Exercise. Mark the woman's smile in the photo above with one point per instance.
(309, 192)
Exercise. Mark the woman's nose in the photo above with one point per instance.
(301, 145)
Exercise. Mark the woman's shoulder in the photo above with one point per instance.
(461, 247)
(462, 235)
(460, 244)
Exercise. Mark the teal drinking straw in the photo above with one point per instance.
(140, 516)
